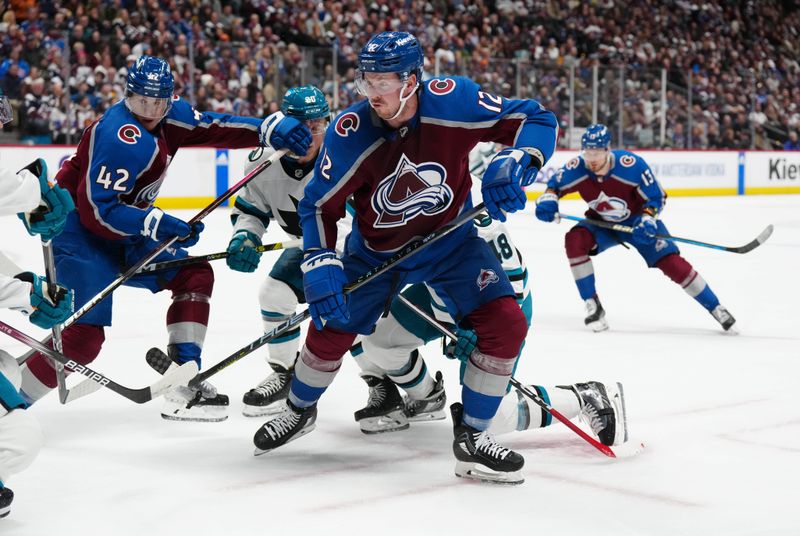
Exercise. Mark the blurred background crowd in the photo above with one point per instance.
(668, 73)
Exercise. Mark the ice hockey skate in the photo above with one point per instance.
(182, 403)
(268, 396)
(385, 409)
(480, 457)
(603, 409)
(292, 423)
(6, 498)
(430, 408)
(595, 315)
(724, 318)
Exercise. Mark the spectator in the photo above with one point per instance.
(792, 144)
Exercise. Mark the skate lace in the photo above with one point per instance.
(592, 418)
(485, 442)
(207, 390)
(377, 395)
(282, 425)
(271, 384)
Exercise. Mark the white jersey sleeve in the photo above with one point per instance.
(19, 192)
(15, 294)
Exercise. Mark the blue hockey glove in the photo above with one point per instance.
(463, 347)
(547, 206)
(48, 311)
(323, 283)
(501, 182)
(644, 230)
(160, 226)
(242, 254)
(283, 132)
(49, 218)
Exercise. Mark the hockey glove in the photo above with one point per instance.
(49, 218)
(283, 132)
(463, 347)
(323, 283)
(547, 206)
(242, 254)
(501, 188)
(644, 230)
(160, 226)
(48, 310)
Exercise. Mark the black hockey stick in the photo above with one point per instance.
(177, 263)
(164, 244)
(750, 246)
(533, 396)
(296, 319)
(50, 274)
(178, 376)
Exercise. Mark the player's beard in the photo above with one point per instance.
(384, 111)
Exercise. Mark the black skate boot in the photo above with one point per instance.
(6, 498)
(595, 315)
(603, 409)
(480, 456)
(268, 396)
(430, 408)
(292, 423)
(182, 403)
(385, 409)
(724, 318)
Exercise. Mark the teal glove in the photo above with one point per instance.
(49, 218)
(48, 310)
(463, 347)
(242, 254)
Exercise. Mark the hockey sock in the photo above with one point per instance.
(485, 381)
(579, 242)
(319, 361)
(187, 317)
(517, 412)
(681, 272)
(367, 366)
(278, 303)
(414, 378)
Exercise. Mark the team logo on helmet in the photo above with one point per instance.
(610, 208)
(486, 278)
(409, 191)
(129, 134)
(442, 87)
(627, 160)
(347, 123)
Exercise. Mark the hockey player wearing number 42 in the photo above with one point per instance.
(619, 187)
(114, 179)
(403, 155)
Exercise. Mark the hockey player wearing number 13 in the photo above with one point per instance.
(114, 179)
(403, 156)
(619, 187)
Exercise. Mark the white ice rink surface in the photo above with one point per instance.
(718, 413)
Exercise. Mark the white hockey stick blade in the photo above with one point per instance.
(176, 376)
(629, 449)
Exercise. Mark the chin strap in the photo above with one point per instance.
(403, 100)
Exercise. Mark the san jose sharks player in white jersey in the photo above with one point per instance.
(274, 195)
(27, 193)
(619, 187)
(114, 179)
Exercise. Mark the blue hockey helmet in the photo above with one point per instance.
(392, 52)
(596, 136)
(148, 92)
(305, 103)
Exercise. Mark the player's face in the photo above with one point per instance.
(383, 91)
(149, 110)
(595, 159)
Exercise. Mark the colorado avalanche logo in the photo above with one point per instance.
(129, 134)
(573, 163)
(148, 194)
(346, 124)
(610, 208)
(410, 190)
(442, 87)
(627, 160)
(486, 278)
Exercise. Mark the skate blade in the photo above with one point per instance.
(258, 452)
(5, 511)
(598, 326)
(617, 399)
(477, 471)
(184, 418)
(393, 422)
(264, 411)
(430, 416)
(177, 412)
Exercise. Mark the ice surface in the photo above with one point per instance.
(719, 413)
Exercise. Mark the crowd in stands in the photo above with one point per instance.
(733, 78)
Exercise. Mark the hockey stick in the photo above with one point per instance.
(177, 263)
(605, 449)
(179, 376)
(750, 246)
(164, 244)
(296, 319)
(50, 274)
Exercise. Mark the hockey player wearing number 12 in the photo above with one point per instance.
(619, 187)
(403, 155)
(114, 179)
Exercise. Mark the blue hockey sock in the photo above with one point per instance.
(312, 376)
(586, 287)
(707, 298)
(183, 352)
